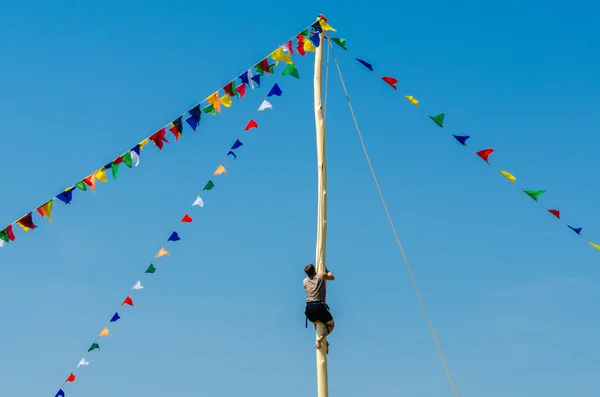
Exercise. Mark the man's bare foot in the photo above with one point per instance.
(319, 342)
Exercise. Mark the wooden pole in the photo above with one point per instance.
(320, 263)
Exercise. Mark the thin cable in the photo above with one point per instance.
(387, 212)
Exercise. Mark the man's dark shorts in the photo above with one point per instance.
(317, 311)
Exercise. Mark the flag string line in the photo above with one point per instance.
(389, 217)
(139, 145)
(462, 140)
(61, 393)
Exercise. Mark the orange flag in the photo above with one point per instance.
(162, 252)
(46, 210)
(220, 170)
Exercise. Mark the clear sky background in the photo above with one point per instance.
(511, 291)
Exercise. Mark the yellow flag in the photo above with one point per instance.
(143, 143)
(104, 332)
(308, 46)
(162, 252)
(280, 55)
(101, 175)
(594, 245)
(220, 170)
(46, 210)
(226, 100)
(509, 176)
(214, 100)
(326, 26)
(412, 100)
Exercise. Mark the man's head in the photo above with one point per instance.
(310, 270)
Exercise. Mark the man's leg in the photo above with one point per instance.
(329, 325)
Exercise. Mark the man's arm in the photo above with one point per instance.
(327, 275)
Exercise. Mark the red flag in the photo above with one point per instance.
(556, 213)
(176, 130)
(71, 378)
(251, 124)
(26, 221)
(391, 81)
(127, 301)
(290, 47)
(118, 160)
(159, 137)
(11, 235)
(484, 154)
(241, 90)
(300, 46)
(228, 88)
(186, 218)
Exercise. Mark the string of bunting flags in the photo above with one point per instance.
(484, 154)
(305, 41)
(174, 236)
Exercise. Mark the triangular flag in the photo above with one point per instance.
(300, 46)
(316, 39)
(228, 88)
(198, 202)
(186, 218)
(290, 70)
(162, 252)
(484, 154)
(176, 128)
(101, 175)
(241, 90)
(317, 27)
(534, 194)
(461, 138)
(91, 181)
(556, 213)
(174, 237)
(365, 64)
(575, 229)
(26, 222)
(143, 143)
(209, 185)
(233, 154)
(210, 109)
(412, 100)
(307, 46)
(280, 55)
(83, 362)
(9, 232)
(104, 332)
(237, 144)
(265, 105)
(256, 79)
(214, 100)
(115, 170)
(325, 25)
(71, 378)
(158, 138)
(94, 346)
(137, 286)
(2, 244)
(275, 91)
(594, 245)
(127, 301)
(67, 195)
(439, 119)
(289, 46)
(135, 157)
(339, 41)
(391, 81)
(195, 116)
(151, 269)
(251, 124)
(81, 186)
(226, 100)
(220, 170)
(46, 210)
(509, 176)
(114, 318)
(60, 393)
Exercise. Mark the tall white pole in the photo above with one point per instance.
(322, 381)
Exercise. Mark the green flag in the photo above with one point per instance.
(151, 269)
(534, 194)
(290, 70)
(339, 41)
(115, 170)
(4, 235)
(93, 347)
(439, 119)
(210, 109)
(209, 185)
(127, 159)
(81, 185)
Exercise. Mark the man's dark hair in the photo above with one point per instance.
(310, 270)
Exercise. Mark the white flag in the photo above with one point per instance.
(83, 362)
(265, 105)
(199, 202)
(138, 286)
(135, 157)
(1, 244)
(250, 81)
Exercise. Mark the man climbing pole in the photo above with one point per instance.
(315, 285)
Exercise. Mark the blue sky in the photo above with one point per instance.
(510, 290)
